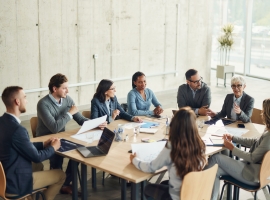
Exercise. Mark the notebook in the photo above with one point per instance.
(149, 124)
(103, 146)
(67, 145)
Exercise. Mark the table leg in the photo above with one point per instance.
(84, 181)
(143, 184)
(134, 191)
(94, 178)
(123, 189)
(225, 80)
(74, 180)
(229, 192)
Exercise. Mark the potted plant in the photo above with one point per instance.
(226, 42)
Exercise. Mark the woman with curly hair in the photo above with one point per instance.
(183, 153)
(245, 170)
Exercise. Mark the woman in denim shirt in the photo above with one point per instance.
(140, 98)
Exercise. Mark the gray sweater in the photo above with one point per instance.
(253, 158)
(53, 118)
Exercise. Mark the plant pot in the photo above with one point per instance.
(224, 71)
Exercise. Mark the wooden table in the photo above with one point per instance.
(117, 161)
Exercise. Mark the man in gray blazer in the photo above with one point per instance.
(238, 105)
(54, 111)
(195, 93)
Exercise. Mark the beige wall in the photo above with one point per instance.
(39, 38)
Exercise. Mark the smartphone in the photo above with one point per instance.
(241, 125)
(130, 151)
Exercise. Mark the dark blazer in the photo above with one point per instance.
(17, 154)
(99, 109)
(185, 96)
(246, 105)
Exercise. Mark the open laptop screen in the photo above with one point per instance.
(106, 140)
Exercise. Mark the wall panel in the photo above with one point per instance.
(39, 38)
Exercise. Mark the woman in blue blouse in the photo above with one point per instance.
(140, 98)
(105, 102)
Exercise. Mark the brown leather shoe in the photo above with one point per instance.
(68, 190)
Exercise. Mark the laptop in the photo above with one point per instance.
(103, 146)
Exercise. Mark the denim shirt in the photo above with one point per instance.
(138, 106)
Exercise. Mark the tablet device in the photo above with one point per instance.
(240, 125)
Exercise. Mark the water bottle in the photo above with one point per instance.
(167, 125)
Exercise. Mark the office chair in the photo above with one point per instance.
(264, 174)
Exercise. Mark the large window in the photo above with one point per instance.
(260, 42)
(251, 37)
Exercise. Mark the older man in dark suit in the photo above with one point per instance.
(17, 152)
(238, 105)
(195, 94)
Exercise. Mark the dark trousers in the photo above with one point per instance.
(157, 191)
(56, 162)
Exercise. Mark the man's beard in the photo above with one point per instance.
(22, 110)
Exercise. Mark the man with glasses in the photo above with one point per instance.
(54, 111)
(195, 93)
(238, 105)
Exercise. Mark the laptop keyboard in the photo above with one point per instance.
(94, 151)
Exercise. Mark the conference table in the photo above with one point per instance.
(117, 161)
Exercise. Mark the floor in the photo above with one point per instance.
(111, 190)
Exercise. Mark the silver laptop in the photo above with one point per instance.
(103, 146)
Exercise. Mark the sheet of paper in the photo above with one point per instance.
(236, 131)
(207, 141)
(90, 124)
(82, 136)
(148, 151)
(132, 125)
(233, 131)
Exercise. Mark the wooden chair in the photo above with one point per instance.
(33, 124)
(263, 176)
(199, 185)
(256, 116)
(3, 188)
(86, 114)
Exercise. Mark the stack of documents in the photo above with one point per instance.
(148, 130)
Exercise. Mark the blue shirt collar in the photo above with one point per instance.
(55, 101)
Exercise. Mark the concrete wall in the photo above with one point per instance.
(39, 38)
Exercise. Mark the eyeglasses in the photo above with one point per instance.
(196, 82)
(112, 88)
(236, 86)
